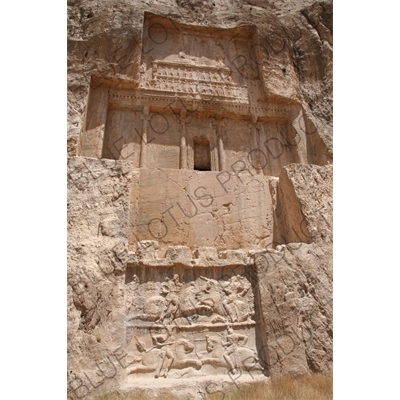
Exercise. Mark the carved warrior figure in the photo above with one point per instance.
(171, 290)
(168, 353)
(209, 297)
(214, 302)
(150, 360)
(188, 294)
(160, 358)
(157, 358)
(237, 309)
(237, 355)
(231, 344)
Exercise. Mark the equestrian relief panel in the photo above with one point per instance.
(188, 324)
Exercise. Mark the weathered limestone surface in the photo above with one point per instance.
(99, 193)
(296, 301)
(304, 205)
(295, 280)
(199, 194)
(213, 209)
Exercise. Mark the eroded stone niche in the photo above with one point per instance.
(196, 85)
(186, 322)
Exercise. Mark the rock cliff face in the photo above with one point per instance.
(200, 194)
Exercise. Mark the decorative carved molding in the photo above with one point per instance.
(204, 81)
(162, 99)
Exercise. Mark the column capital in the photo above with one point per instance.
(217, 122)
(186, 120)
(145, 116)
(254, 119)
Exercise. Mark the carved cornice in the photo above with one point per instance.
(159, 100)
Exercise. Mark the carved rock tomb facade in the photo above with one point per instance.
(205, 146)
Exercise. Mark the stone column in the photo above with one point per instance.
(299, 126)
(92, 137)
(217, 124)
(255, 139)
(221, 152)
(145, 118)
(183, 161)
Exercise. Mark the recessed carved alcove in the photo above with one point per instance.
(184, 321)
(195, 82)
(202, 154)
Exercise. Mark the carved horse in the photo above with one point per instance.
(179, 360)
(246, 359)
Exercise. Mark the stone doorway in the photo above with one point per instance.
(202, 154)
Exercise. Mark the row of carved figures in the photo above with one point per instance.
(228, 351)
(227, 301)
(203, 89)
(194, 74)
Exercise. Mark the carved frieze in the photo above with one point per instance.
(201, 81)
(201, 302)
(192, 327)
(163, 100)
